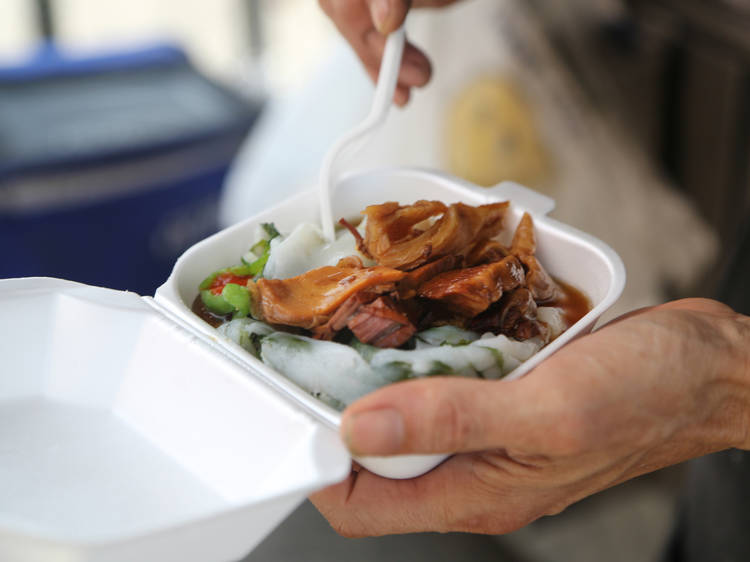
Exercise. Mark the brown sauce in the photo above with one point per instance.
(573, 303)
(203, 313)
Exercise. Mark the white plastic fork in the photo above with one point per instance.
(355, 139)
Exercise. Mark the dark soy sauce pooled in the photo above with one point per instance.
(574, 304)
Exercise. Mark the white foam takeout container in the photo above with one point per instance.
(131, 430)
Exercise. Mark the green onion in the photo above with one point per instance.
(238, 297)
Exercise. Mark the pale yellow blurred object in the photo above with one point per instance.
(491, 135)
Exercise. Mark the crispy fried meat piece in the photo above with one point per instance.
(309, 300)
(542, 286)
(381, 324)
(394, 237)
(468, 292)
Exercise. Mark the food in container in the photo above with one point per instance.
(416, 290)
(574, 257)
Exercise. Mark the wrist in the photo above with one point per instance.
(717, 351)
(730, 383)
(738, 335)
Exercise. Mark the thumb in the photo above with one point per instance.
(388, 15)
(435, 415)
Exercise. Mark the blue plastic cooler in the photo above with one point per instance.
(111, 166)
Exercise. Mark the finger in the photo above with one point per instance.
(368, 505)
(355, 24)
(415, 69)
(401, 96)
(449, 498)
(432, 3)
(443, 415)
(352, 18)
(388, 15)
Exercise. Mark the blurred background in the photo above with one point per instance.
(118, 121)
(129, 130)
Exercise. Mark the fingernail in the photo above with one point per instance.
(379, 11)
(377, 432)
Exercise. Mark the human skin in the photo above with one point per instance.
(655, 388)
(365, 25)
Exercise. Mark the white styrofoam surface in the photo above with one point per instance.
(571, 255)
(124, 437)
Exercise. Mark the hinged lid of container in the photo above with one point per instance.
(125, 436)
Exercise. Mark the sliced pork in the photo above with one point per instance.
(514, 315)
(407, 287)
(540, 283)
(381, 324)
(309, 300)
(468, 292)
(403, 237)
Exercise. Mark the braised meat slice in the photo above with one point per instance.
(524, 240)
(396, 221)
(351, 261)
(373, 319)
(398, 236)
(309, 300)
(381, 324)
(519, 306)
(407, 287)
(488, 251)
(540, 283)
(340, 318)
(514, 315)
(468, 292)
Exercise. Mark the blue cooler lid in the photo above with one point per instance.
(58, 112)
(111, 166)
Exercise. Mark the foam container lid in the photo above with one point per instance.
(131, 430)
(125, 437)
